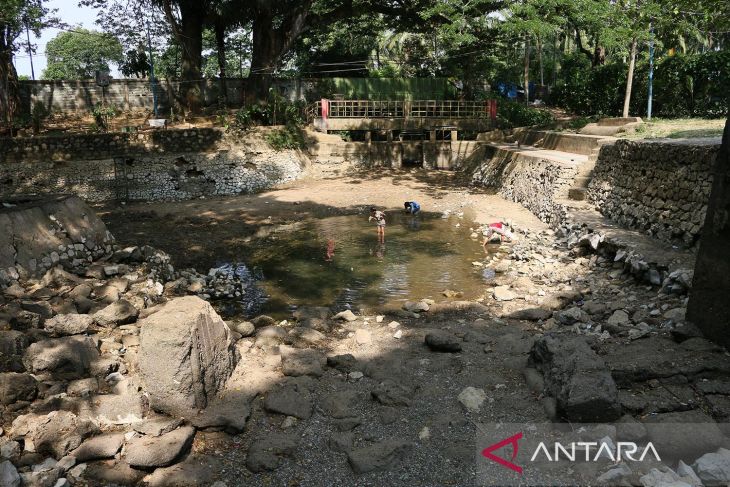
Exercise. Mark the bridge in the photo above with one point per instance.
(403, 116)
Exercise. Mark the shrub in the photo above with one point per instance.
(514, 114)
(288, 137)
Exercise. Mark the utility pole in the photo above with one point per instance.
(30, 52)
(651, 71)
(152, 71)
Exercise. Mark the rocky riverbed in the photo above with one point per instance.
(122, 373)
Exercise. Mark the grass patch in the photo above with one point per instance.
(677, 129)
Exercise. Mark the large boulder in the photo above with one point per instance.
(577, 378)
(67, 357)
(12, 347)
(186, 355)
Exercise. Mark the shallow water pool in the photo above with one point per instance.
(338, 262)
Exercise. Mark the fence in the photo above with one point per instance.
(449, 109)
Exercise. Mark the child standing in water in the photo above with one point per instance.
(379, 218)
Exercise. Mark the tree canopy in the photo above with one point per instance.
(79, 53)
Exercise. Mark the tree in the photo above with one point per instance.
(15, 17)
(78, 54)
(135, 63)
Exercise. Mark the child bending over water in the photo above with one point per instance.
(379, 218)
(501, 229)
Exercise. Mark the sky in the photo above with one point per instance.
(70, 13)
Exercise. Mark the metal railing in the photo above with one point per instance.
(451, 109)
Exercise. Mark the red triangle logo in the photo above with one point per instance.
(512, 440)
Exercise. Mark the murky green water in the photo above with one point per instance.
(338, 262)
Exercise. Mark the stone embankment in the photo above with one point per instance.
(159, 165)
(659, 187)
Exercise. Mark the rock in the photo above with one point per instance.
(9, 476)
(67, 357)
(619, 317)
(714, 468)
(441, 341)
(263, 320)
(160, 451)
(290, 400)
(62, 432)
(629, 429)
(295, 362)
(502, 293)
(472, 398)
(339, 404)
(41, 308)
(662, 478)
(186, 355)
(109, 472)
(388, 393)
(245, 328)
(532, 314)
(228, 413)
(416, 306)
(379, 456)
(265, 453)
(12, 347)
(17, 387)
(68, 324)
(83, 387)
(577, 378)
(114, 409)
(614, 475)
(685, 435)
(196, 470)
(398, 334)
(685, 331)
(341, 441)
(363, 337)
(344, 363)
(686, 473)
(10, 450)
(640, 331)
(304, 336)
(120, 313)
(346, 315)
(157, 425)
(570, 316)
(99, 447)
(675, 314)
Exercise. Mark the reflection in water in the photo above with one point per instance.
(339, 262)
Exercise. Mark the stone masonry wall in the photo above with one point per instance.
(661, 187)
(82, 147)
(537, 183)
(162, 165)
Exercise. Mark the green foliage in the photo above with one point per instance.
(288, 137)
(78, 54)
(135, 63)
(102, 114)
(514, 114)
(591, 91)
(38, 114)
(276, 111)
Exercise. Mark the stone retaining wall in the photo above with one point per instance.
(661, 187)
(162, 165)
(82, 147)
(537, 183)
(41, 232)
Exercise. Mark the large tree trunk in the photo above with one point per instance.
(220, 42)
(188, 32)
(539, 60)
(527, 70)
(630, 78)
(264, 55)
(9, 92)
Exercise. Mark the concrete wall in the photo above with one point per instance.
(162, 165)
(39, 233)
(130, 94)
(661, 187)
(708, 307)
